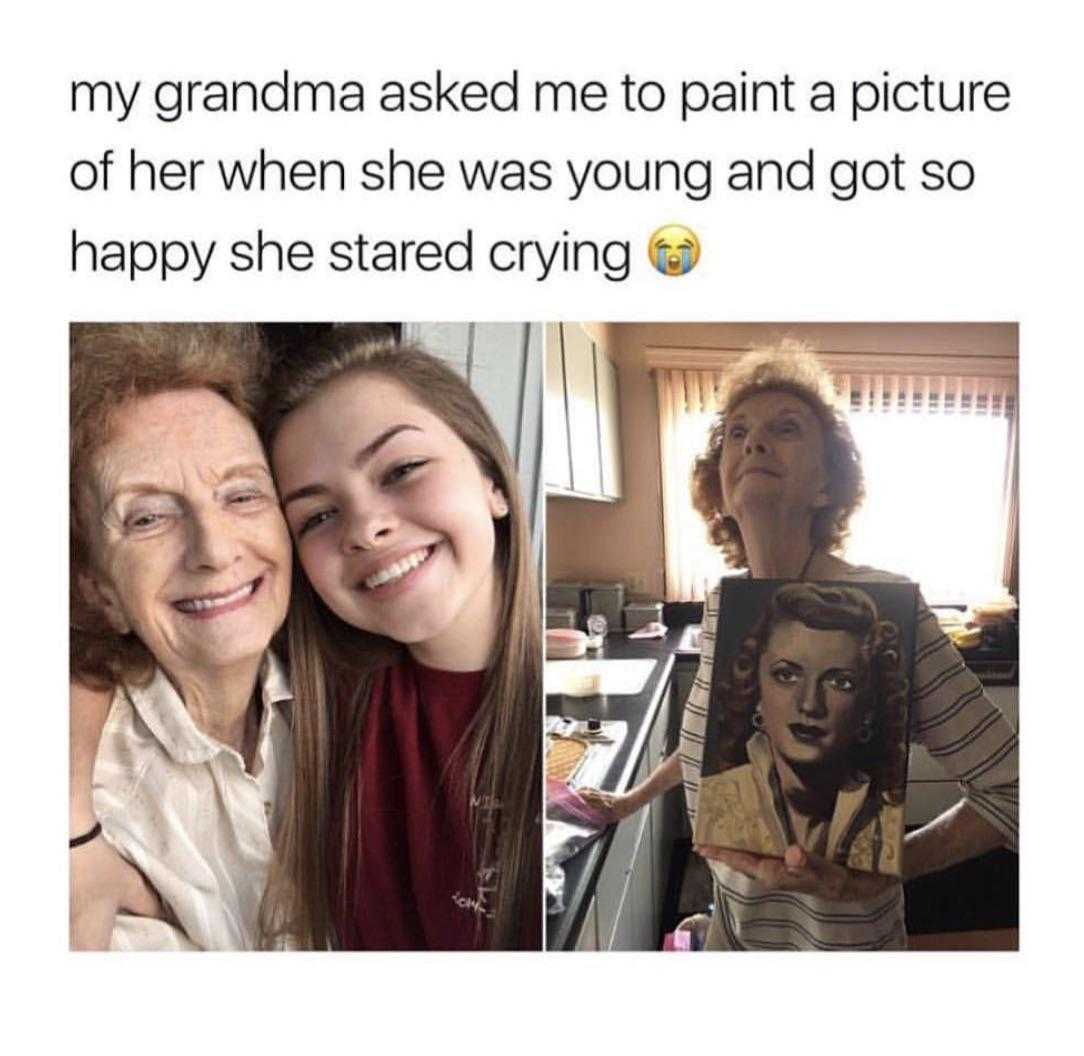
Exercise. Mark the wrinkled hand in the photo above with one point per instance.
(614, 806)
(101, 885)
(802, 872)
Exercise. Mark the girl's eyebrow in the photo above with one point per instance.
(371, 449)
(359, 460)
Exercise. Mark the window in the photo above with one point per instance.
(940, 480)
(936, 460)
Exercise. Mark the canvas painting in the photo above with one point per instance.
(807, 722)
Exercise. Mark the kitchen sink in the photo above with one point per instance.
(616, 677)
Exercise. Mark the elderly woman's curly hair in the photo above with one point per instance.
(111, 364)
(788, 368)
(884, 686)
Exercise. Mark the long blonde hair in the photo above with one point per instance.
(332, 664)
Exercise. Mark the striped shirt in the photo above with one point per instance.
(951, 717)
(181, 807)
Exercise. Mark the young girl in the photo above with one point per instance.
(413, 643)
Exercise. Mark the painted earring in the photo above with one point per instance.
(865, 730)
(758, 719)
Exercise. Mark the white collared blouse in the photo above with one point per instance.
(182, 807)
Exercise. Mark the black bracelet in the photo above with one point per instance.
(78, 841)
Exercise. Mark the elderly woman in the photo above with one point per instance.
(180, 563)
(776, 487)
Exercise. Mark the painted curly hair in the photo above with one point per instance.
(885, 687)
(788, 367)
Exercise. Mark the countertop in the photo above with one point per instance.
(639, 711)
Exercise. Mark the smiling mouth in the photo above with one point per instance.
(807, 734)
(215, 604)
(398, 569)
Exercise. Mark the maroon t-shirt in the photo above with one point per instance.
(412, 884)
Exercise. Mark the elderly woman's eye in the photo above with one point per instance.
(736, 432)
(788, 426)
(142, 522)
(246, 498)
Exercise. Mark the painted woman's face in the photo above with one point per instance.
(393, 519)
(811, 691)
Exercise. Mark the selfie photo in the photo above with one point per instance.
(305, 642)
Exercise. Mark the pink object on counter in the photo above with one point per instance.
(563, 643)
(677, 941)
(564, 802)
(654, 629)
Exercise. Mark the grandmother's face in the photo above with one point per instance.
(190, 546)
(773, 457)
(812, 684)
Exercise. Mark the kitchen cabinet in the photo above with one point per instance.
(614, 889)
(581, 400)
(558, 464)
(588, 940)
(663, 828)
(634, 928)
(626, 911)
(609, 432)
(583, 438)
(612, 881)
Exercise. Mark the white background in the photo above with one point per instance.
(1008, 250)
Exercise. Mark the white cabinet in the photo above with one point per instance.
(634, 928)
(581, 399)
(609, 433)
(588, 940)
(558, 466)
(626, 910)
(583, 439)
(664, 830)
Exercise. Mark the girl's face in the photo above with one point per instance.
(812, 684)
(393, 519)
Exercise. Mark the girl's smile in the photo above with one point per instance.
(393, 518)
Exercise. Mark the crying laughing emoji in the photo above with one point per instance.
(673, 250)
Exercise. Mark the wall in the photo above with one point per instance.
(502, 363)
(623, 540)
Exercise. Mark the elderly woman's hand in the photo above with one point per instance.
(101, 885)
(615, 806)
(100, 882)
(804, 873)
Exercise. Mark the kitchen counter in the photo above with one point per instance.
(639, 711)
